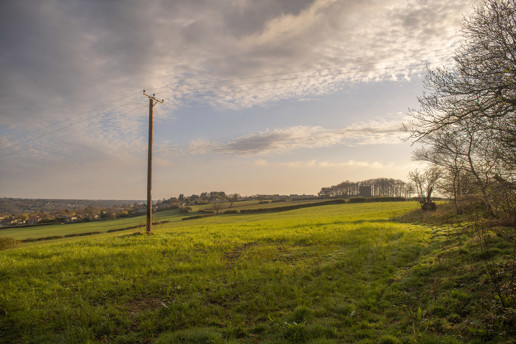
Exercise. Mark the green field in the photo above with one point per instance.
(330, 274)
(86, 227)
(35, 232)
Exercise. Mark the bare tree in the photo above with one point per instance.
(468, 116)
(233, 198)
(217, 205)
(425, 184)
(481, 87)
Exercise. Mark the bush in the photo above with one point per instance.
(357, 200)
(231, 212)
(430, 206)
(80, 234)
(206, 211)
(196, 217)
(185, 210)
(7, 243)
(43, 239)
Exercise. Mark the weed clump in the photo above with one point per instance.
(302, 314)
(195, 335)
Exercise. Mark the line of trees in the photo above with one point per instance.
(203, 198)
(466, 121)
(379, 187)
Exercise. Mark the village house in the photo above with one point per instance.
(33, 220)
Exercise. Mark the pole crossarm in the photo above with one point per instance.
(153, 97)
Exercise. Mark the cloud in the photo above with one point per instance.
(327, 164)
(72, 70)
(283, 140)
(200, 146)
(276, 141)
(289, 26)
(67, 56)
(261, 163)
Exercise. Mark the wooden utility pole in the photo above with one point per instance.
(152, 101)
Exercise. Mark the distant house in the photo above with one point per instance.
(33, 220)
(139, 210)
(71, 219)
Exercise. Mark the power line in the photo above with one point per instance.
(56, 127)
(61, 128)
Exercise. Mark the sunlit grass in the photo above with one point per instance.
(328, 274)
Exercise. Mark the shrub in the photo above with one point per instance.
(357, 200)
(7, 243)
(43, 239)
(80, 234)
(196, 217)
(206, 211)
(231, 212)
(185, 210)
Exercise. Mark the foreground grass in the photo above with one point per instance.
(332, 274)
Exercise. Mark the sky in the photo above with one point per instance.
(260, 97)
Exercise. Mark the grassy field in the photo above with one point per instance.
(86, 227)
(35, 232)
(331, 274)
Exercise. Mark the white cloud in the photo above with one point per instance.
(327, 164)
(288, 26)
(283, 140)
(200, 146)
(70, 55)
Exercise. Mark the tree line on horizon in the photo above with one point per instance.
(378, 187)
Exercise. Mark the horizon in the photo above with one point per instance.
(173, 196)
(260, 98)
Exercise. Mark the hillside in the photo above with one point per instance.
(330, 274)
(16, 206)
